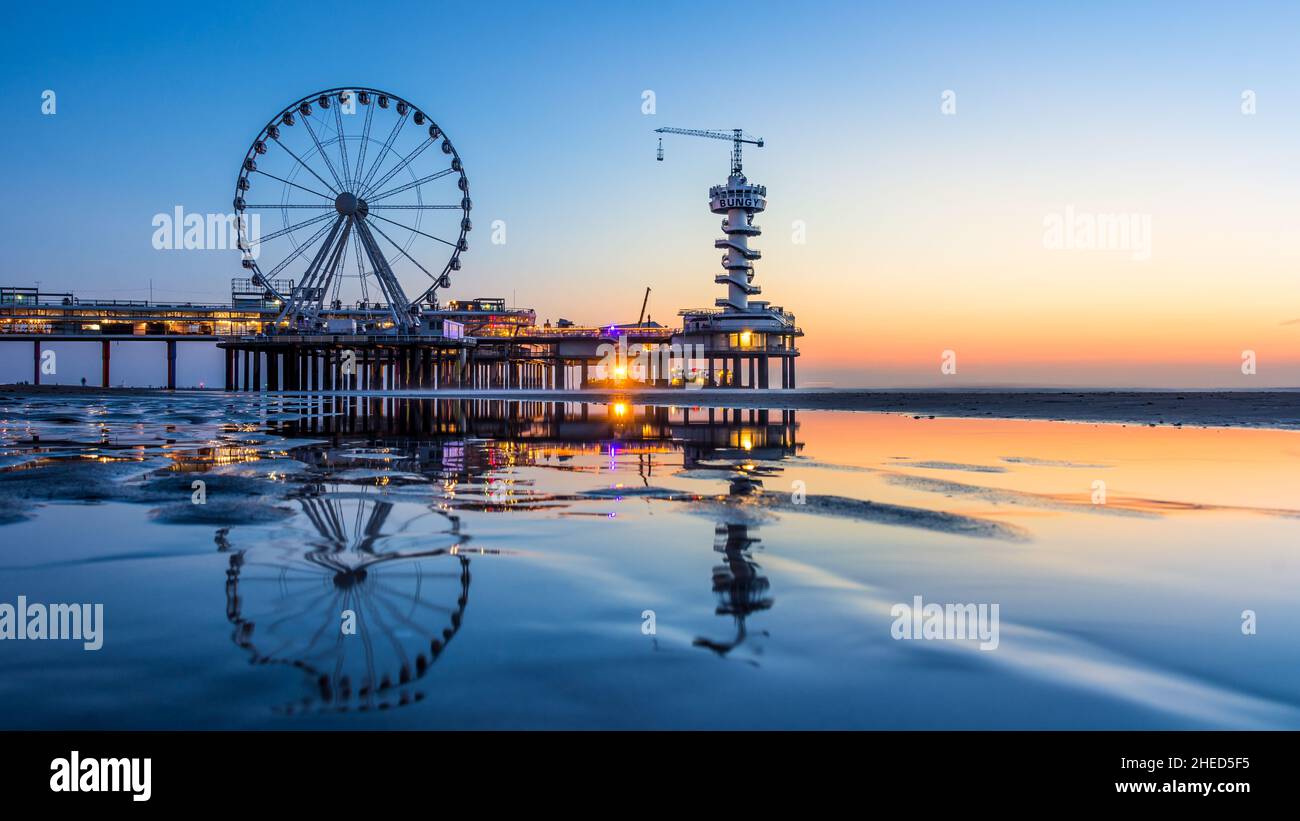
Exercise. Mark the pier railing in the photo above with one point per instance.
(368, 339)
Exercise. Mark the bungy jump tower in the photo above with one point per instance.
(740, 336)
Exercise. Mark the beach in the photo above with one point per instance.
(1191, 408)
(558, 564)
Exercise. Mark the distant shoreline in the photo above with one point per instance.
(1278, 408)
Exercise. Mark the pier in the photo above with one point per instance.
(489, 347)
(309, 333)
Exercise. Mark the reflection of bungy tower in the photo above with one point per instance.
(737, 583)
(740, 336)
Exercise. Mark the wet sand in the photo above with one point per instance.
(773, 553)
(1251, 409)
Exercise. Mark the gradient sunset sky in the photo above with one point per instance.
(924, 230)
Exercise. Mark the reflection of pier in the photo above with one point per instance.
(396, 558)
(702, 432)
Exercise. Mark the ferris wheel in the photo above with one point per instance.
(359, 210)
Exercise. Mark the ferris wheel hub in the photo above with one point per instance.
(350, 205)
(347, 204)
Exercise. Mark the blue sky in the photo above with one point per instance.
(1102, 105)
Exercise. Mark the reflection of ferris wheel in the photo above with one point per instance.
(358, 196)
(407, 602)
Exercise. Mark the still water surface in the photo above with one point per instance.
(506, 562)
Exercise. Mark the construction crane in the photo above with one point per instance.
(644, 303)
(736, 136)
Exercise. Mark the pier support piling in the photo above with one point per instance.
(171, 364)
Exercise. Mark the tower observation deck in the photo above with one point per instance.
(739, 200)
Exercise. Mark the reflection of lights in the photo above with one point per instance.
(620, 409)
(620, 372)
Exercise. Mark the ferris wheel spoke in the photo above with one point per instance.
(405, 162)
(287, 580)
(430, 606)
(369, 681)
(321, 149)
(297, 252)
(404, 618)
(383, 152)
(412, 184)
(288, 230)
(388, 632)
(302, 609)
(416, 207)
(402, 251)
(294, 184)
(343, 143)
(365, 139)
(291, 205)
(311, 170)
(316, 637)
(415, 230)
